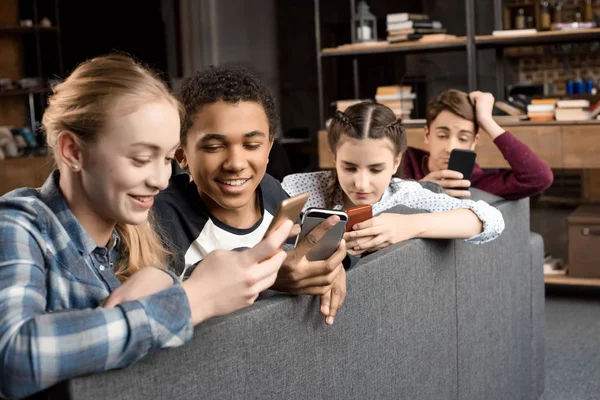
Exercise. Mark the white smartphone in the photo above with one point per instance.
(325, 248)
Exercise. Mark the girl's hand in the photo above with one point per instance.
(378, 233)
(143, 283)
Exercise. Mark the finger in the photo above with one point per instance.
(266, 271)
(295, 231)
(319, 280)
(376, 241)
(374, 231)
(112, 301)
(461, 194)
(315, 235)
(338, 294)
(366, 224)
(325, 301)
(270, 244)
(383, 245)
(449, 174)
(348, 236)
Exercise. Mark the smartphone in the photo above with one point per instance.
(289, 208)
(325, 247)
(357, 215)
(462, 161)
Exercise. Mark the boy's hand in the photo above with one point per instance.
(484, 104)
(450, 181)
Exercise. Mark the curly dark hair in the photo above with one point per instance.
(229, 83)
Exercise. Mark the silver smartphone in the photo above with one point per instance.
(325, 248)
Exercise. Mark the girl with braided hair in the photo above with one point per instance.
(367, 142)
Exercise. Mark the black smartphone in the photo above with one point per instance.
(462, 161)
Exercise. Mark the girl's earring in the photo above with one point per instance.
(75, 167)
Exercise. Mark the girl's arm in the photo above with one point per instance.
(39, 348)
(458, 224)
(413, 195)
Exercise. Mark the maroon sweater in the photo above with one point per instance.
(529, 175)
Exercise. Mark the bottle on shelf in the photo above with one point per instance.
(545, 16)
(530, 24)
(520, 19)
(588, 11)
(557, 17)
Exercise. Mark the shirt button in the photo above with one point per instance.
(102, 268)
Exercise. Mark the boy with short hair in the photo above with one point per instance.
(453, 121)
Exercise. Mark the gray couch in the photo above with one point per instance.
(423, 319)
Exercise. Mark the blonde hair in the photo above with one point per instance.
(82, 105)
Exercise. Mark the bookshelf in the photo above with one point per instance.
(539, 38)
(459, 43)
(28, 52)
(469, 44)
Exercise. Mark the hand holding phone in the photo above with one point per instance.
(358, 214)
(462, 161)
(288, 209)
(328, 244)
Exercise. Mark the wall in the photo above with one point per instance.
(230, 31)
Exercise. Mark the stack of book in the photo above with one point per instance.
(402, 27)
(541, 109)
(399, 99)
(341, 105)
(572, 110)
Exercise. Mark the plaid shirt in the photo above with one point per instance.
(53, 278)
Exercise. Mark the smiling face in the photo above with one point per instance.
(130, 162)
(365, 168)
(447, 132)
(227, 151)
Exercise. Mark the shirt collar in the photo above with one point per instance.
(51, 195)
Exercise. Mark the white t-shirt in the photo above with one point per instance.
(399, 192)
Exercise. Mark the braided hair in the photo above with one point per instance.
(366, 120)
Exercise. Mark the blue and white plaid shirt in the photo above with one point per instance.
(53, 278)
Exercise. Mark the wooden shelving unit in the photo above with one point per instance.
(460, 43)
(26, 53)
(570, 281)
(539, 38)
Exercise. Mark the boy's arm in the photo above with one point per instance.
(529, 174)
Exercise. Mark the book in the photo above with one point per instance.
(571, 114)
(509, 119)
(414, 25)
(544, 101)
(402, 17)
(417, 121)
(573, 104)
(572, 26)
(421, 31)
(341, 105)
(540, 108)
(399, 96)
(397, 103)
(437, 37)
(541, 115)
(514, 32)
(404, 38)
(393, 89)
(507, 108)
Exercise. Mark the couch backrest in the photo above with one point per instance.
(423, 319)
